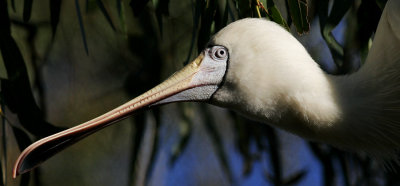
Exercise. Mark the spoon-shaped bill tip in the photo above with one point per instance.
(45, 148)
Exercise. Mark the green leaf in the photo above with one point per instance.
(22, 138)
(295, 178)
(16, 89)
(368, 15)
(381, 3)
(13, 5)
(217, 141)
(244, 8)
(55, 8)
(3, 71)
(274, 153)
(161, 9)
(25, 179)
(221, 16)
(198, 9)
(206, 23)
(3, 160)
(185, 126)
(27, 10)
(155, 148)
(275, 15)
(105, 13)
(121, 15)
(78, 12)
(243, 136)
(299, 14)
(328, 23)
(138, 6)
(137, 135)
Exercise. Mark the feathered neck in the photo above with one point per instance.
(359, 112)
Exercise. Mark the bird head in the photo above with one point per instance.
(229, 69)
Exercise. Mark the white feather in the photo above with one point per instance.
(272, 78)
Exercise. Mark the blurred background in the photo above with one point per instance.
(65, 62)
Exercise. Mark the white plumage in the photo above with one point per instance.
(257, 68)
(272, 77)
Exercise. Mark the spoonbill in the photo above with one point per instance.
(257, 68)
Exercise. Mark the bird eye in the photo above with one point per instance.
(219, 53)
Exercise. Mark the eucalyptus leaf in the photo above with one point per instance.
(55, 9)
(244, 8)
(105, 13)
(121, 15)
(243, 139)
(206, 23)
(217, 141)
(16, 89)
(275, 15)
(161, 10)
(298, 10)
(138, 6)
(185, 126)
(81, 27)
(381, 3)
(368, 15)
(198, 9)
(27, 10)
(329, 22)
(137, 138)
(13, 5)
(295, 178)
(155, 147)
(22, 138)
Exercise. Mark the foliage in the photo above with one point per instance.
(208, 17)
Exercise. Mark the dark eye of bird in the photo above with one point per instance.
(220, 53)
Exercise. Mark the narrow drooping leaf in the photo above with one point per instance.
(381, 3)
(221, 16)
(242, 136)
(329, 22)
(185, 131)
(3, 71)
(22, 138)
(78, 12)
(197, 9)
(325, 159)
(299, 14)
(275, 15)
(217, 141)
(121, 16)
(4, 136)
(137, 138)
(55, 9)
(3, 173)
(206, 23)
(86, 6)
(368, 15)
(138, 6)
(244, 8)
(155, 147)
(105, 13)
(23, 141)
(275, 157)
(16, 89)
(295, 178)
(27, 10)
(344, 168)
(25, 179)
(161, 10)
(226, 13)
(13, 5)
